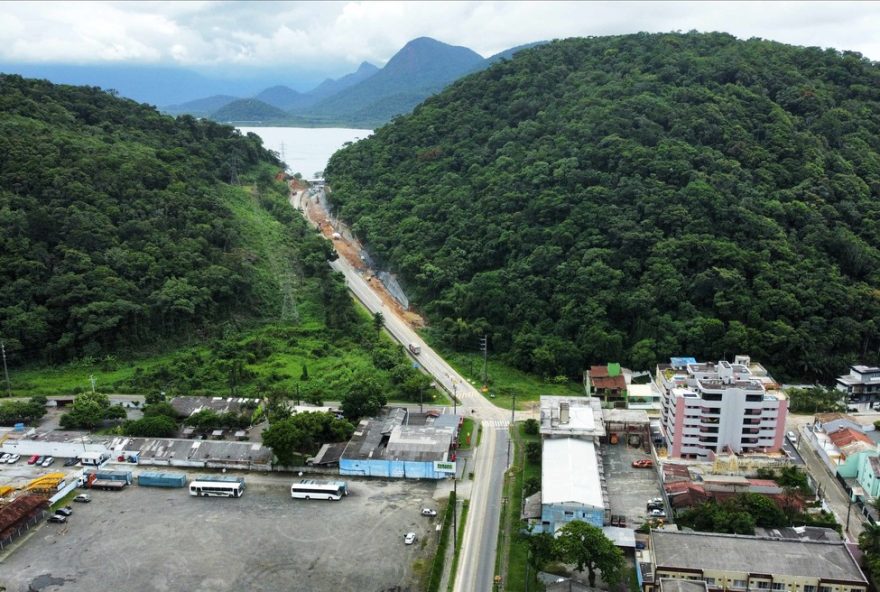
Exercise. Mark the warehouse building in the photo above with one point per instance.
(738, 562)
(571, 487)
(401, 445)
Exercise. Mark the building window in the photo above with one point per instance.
(569, 514)
(766, 586)
(809, 588)
(710, 581)
(825, 589)
(742, 584)
(779, 586)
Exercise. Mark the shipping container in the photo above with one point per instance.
(162, 480)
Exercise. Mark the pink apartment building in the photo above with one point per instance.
(713, 408)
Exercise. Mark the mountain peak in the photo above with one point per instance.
(430, 59)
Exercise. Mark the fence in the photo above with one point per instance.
(22, 529)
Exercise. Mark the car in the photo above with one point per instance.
(65, 511)
(82, 498)
(13, 459)
(33, 460)
(409, 538)
(643, 463)
(40, 460)
(58, 518)
(5, 457)
(48, 461)
(428, 512)
(71, 461)
(655, 506)
(655, 500)
(792, 436)
(658, 513)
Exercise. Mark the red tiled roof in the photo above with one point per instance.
(598, 371)
(608, 382)
(845, 436)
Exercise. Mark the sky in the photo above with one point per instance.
(167, 53)
(334, 37)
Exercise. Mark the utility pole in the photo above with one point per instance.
(455, 398)
(93, 381)
(5, 370)
(483, 347)
(513, 410)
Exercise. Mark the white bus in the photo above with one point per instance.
(219, 488)
(313, 489)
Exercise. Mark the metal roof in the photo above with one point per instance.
(570, 473)
(739, 553)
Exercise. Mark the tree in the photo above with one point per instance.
(531, 427)
(531, 485)
(869, 539)
(157, 426)
(378, 322)
(304, 433)
(364, 399)
(585, 546)
(162, 408)
(542, 549)
(89, 410)
(533, 452)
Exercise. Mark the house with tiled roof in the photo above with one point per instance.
(608, 383)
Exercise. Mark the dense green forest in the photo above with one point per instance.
(118, 225)
(636, 197)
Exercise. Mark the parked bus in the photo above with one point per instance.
(216, 487)
(314, 489)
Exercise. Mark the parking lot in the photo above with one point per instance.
(629, 489)
(164, 539)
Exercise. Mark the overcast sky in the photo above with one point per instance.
(335, 37)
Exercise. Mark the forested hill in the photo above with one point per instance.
(635, 197)
(118, 227)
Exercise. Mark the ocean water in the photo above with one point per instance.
(306, 150)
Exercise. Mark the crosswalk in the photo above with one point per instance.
(501, 424)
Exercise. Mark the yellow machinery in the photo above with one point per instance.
(6, 490)
(47, 484)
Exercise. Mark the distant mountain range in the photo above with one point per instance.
(368, 97)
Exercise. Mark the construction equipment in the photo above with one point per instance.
(47, 484)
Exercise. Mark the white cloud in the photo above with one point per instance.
(316, 35)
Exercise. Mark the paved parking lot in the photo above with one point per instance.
(629, 489)
(165, 540)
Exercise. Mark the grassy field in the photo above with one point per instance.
(504, 382)
(513, 547)
(465, 435)
(462, 520)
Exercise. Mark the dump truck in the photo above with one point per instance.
(162, 480)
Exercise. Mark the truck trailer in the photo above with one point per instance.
(162, 480)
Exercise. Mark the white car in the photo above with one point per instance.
(13, 459)
(48, 461)
(792, 436)
(428, 512)
(5, 457)
(409, 538)
(658, 514)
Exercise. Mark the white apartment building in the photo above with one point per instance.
(712, 408)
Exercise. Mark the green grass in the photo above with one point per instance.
(461, 522)
(464, 436)
(511, 543)
(436, 572)
(505, 382)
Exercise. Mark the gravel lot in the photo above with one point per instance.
(629, 489)
(165, 540)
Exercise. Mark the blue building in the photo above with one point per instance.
(393, 447)
(570, 485)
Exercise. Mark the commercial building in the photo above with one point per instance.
(572, 476)
(725, 407)
(403, 445)
(861, 385)
(737, 562)
(645, 397)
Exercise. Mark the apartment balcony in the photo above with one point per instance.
(750, 431)
(753, 411)
(751, 421)
(710, 410)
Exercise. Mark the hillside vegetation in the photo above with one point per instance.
(117, 226)
(635, 197)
